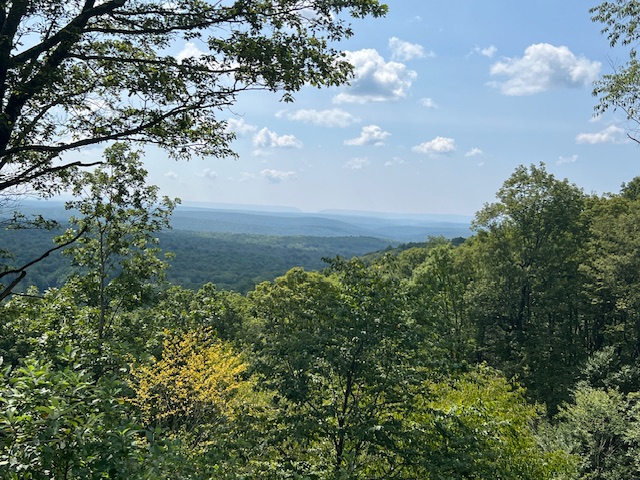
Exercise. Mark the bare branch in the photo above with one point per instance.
(22, 270)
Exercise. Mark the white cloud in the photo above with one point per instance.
(369, 135)
(208, 174)
(611, 134)
(437, 146)
(190, 50)
(394, 161)
(376, 80)
(542, 68)
(268, 139)
(357, 163)
(489, 51)
(172, 175)
(334, 117)
(401, 50)
(239, 126)
(566, 160)
(474, 152)
(276, 176)
(428, 103)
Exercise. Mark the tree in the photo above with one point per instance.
(527, 294)
(57, 421)
(620, 89)
(81, 73)
(92, 72)
(116, 250)
(195, 385)
(342, 357)
(611, 272)
(199, 395)
(478, 425)
(602, 428)
(438, 286)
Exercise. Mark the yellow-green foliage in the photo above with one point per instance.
(492, 428)
(198, 382)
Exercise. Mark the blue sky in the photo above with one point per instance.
(448, 99)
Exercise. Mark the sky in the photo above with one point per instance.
(449, 97)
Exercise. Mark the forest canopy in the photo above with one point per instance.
(513, 354)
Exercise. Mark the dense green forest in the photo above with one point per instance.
(512, 354)
(235, 262)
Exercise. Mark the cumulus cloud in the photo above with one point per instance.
(489, 51)
(369, 135)
(376, 80)
(429, 103)
(566, 160)
(190, 50)
(437, 146)
(239, 126)
(404, 51)
(334, 117)
(357, 163)
(276, 176)
(544, 67)
(265, 138)
(208, 174)
(474, 152)
(611, 134)
(172, 175)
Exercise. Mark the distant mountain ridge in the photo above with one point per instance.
(328, 223)
(288, 221)
(236, 249)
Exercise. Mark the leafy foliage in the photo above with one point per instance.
(115, 251)
(196, 384)
(479, 425)
(59, 422)
(342, 356)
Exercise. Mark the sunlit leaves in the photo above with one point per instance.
(198, 382)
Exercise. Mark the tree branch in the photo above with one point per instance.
(22, 271)
(79, 21)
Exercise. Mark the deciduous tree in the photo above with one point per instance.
(527, 294)
(342, 357)
(117, 216)
(620, 89)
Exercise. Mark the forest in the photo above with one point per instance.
(232, 261)
(513, 354)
